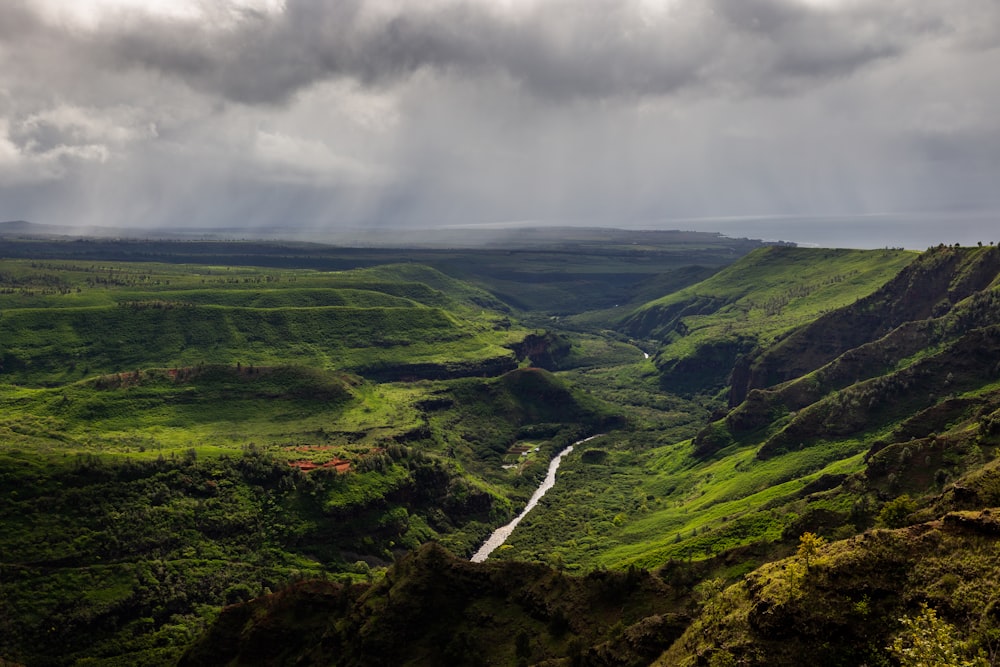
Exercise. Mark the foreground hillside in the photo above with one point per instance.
(432, 609)
(922, 595)
(929, 589)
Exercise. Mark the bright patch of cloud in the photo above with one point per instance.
(91, 13)
(288, 158)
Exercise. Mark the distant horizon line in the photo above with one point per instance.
(913, 229)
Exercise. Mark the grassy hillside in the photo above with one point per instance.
(952, 286)
(63, 322)
(879, 366)
(920, 595)
(702, 330)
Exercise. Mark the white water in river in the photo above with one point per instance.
(501, 534)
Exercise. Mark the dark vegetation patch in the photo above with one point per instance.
(433, 609)
(135, 552)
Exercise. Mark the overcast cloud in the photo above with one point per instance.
(347, 113)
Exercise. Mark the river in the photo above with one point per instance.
(501, 534)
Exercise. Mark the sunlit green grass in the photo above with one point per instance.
(763, 295)
(218, 410)
(61, 322)
(647, 508)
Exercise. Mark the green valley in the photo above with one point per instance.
(250, 453)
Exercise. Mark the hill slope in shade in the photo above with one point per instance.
(432, 609)
(556, 271)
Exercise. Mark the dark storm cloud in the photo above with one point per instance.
(564, 49)
(17, 20)
(788, 42)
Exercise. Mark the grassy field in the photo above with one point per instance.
(67, 321)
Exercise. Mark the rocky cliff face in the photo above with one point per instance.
(933, 287)
(930, 332)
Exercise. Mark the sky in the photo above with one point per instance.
(835, 122)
